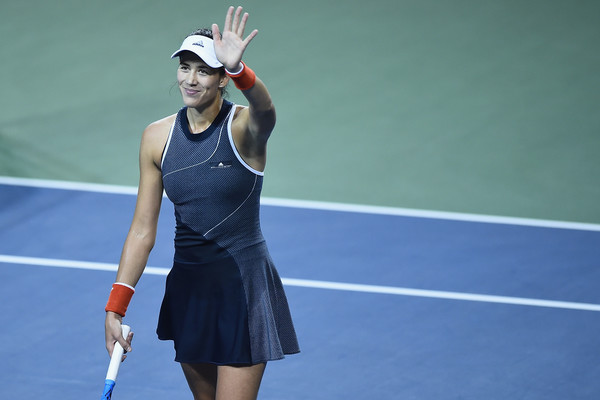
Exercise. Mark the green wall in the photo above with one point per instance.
(470, 106)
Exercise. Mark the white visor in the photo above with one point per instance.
(203, 47)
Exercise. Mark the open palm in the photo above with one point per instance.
(230, 44)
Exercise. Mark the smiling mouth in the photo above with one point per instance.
(189, 92)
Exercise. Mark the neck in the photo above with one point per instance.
(200, 118)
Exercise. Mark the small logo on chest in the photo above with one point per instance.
(220, 164)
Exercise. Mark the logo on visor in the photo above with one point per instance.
(198, 44)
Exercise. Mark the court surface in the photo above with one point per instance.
(387, 305)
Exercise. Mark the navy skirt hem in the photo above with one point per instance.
(231, 310)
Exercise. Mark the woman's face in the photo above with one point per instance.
(199, 84)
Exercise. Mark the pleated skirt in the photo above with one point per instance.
(227, 311)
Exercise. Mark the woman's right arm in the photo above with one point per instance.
(142, 233)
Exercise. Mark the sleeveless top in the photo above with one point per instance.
(215, 193)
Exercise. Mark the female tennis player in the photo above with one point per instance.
(224, 306)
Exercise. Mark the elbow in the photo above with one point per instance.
(149, 244)
(145, 240)
(271, 118)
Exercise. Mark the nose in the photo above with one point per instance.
(191, 78)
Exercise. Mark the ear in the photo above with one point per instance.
(224, 81)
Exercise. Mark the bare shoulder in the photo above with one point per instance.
(155, 137)
(159, 129)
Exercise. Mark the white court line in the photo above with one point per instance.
(320, 205)
(436, 294)
(66, 185)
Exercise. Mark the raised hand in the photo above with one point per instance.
(230, 45)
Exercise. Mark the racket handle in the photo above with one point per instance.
(115, 359)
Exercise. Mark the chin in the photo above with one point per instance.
(191, 101)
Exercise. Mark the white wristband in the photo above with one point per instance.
(237, 72)
(126, 285)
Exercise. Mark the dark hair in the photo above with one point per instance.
(208, 33)
(202, 32)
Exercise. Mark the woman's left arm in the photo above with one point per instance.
(260, 112)
(254, 124)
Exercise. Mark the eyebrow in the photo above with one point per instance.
(198, 64)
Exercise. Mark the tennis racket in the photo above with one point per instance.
(113, 367)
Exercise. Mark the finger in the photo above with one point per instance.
(242, 25)
(127, 348)
(127, 340)
(236, 20)
(227, 26)
(250, 37)
(125, 343)
(130, 339)
(216, 33)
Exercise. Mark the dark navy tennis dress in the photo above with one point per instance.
(224, 302)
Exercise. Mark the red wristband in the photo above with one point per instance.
(119, 298)
(244, 79)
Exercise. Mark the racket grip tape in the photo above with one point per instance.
(115, 359)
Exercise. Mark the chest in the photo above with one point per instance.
(204, 171)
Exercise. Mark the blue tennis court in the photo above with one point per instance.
(387, 304)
